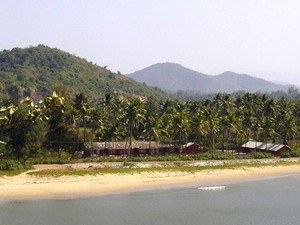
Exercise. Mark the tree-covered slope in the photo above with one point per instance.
(37, 71)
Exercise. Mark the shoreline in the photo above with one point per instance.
(28, 187)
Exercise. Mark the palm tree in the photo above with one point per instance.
(196, 118)
(134, 115)
(211, 123)
(180, 121)
(166, 114)
(108, 118)
(270, 111)
(226, 115)
(296, 112)
(286, 125)
(153, 127)
(80, 113)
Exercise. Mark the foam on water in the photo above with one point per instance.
(212, 188)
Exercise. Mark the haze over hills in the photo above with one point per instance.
(39, 70)
(285, 78)
(173, 77)
(249, 83)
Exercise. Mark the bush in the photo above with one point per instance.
(10, 165)
(213, 156)
(51, 157)
(293, 153)
(258, 155)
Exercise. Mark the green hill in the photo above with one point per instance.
(37, 71)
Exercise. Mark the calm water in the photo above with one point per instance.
(273, 201)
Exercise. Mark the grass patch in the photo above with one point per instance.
(176, 168)
(51, 158)
(10, 173)
(102, 171)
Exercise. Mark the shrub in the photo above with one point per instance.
(258, 155)
(216, 156)
(10, 165)
(293, 153)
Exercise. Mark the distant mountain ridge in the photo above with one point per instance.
(173, 77)
(249, 83)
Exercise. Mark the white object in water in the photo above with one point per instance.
(213, 188)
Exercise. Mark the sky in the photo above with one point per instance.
(260, 37)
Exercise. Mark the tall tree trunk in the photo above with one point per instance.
(130, 141)
(125, 150)
(149, 146)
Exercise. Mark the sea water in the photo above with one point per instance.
(265, 202)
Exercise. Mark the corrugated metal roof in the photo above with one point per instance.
(122, 145)
(264, 146)
(189, 144)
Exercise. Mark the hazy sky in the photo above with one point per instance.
(210, 36)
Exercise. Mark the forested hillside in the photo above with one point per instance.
(37, 71)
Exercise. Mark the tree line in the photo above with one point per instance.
(222, 122)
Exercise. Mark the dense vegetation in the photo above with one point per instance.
(38, 71)
(223, 123)
(111, 107)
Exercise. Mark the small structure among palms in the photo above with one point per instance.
(191, 148)
(275, 149)
(121, 148)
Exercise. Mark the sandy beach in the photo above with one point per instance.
(25, 186)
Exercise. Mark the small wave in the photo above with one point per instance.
(212, 188)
